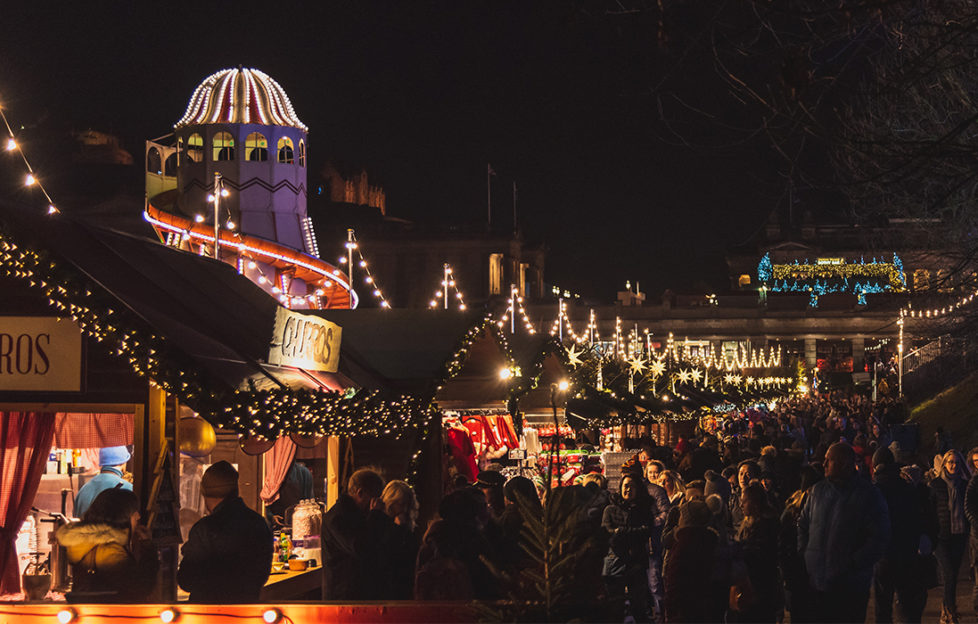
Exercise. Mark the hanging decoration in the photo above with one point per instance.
(833, 275)
(31, 179)
(447, 281)
(353, 245)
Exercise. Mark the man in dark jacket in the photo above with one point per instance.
(897, 571)
(228, 555)
(354, 532)
(843, 531)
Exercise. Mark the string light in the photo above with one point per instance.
(271, 103)
(938, 312)
(833, 275)
(353, 245)
(448, 281)
(30, 179)
(514, 304)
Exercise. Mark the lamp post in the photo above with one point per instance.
(215, 198)
(555, 388)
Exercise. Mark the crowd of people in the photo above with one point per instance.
(799, 509)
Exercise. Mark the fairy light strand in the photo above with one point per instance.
(369, 280)
(448, 281)
(31, 180)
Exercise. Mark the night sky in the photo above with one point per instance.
(561, 97)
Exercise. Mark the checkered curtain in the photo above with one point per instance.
(85, 430)
(25, 443)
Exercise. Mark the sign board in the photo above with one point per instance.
(305, 341)
(40, 353)
(517, 454)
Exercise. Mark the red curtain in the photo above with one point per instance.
(277, 462)
(25, 442)
(85, 430)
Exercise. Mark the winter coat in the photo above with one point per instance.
(758, 542)
(939, 496)
(697, 575)
(227, 556)
(354, 566)
(107, 479)
(450, 564)
(907, 517)
(104, 568)
(843, 531)
(630, 525)
(971, 505)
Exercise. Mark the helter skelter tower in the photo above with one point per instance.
(236, 165)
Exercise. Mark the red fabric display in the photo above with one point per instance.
(25, 443)
(85, 430)
(462, 450)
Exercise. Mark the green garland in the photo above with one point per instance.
(266, 413)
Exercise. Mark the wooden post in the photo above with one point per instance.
(332, 470)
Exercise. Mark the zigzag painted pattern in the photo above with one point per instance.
(252, 182)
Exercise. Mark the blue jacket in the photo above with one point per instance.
(105, 480)
(843, 531)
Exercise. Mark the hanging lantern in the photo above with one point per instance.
(256, 445)
(197, 437)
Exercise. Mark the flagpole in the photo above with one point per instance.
(489, 195)
(515, 228)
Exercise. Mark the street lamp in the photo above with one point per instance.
(555, 388)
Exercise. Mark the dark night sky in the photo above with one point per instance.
(424, 95)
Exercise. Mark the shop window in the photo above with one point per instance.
(921, 280)
(223, 146)
(154, 162)
(302, 153)
(256, 147)
(495, 274)
(195, 148)
(170, 165)
(286, 155)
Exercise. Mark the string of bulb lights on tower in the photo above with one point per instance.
(31, 180)
(352, 245)
(513, 305)
(447, 281)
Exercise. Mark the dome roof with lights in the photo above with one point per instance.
(240, 96)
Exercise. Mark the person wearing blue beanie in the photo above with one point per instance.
(112, 460)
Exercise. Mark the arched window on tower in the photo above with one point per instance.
(286, 155)
(154, 162)
(195, 148)
(256, 147)
(223, 146)
(170, 165)
(302, 153)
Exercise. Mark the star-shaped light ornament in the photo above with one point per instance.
(636, 365)
(574, 356)
(748, 381)
(737, 379)
(730, 378)
(696, 375)
(684, 376)
(657, 368)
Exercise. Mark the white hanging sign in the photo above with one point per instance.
(39, 353)
(305, 341)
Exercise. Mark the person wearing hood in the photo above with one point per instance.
(111, 556)
(112, 461)
(629, 521)
(948, 491)
(843, 531)
(896, 573)
(797, 595)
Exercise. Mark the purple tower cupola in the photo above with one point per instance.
(240, 123)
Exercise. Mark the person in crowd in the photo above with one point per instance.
(948, 491)
(699, 571)
(112, 461)
(451, 561)
(355, 529)
(111, 556)
(521, 496)
(896, 572)
(797, 591)
(491, 483)
(629, 520)
(297, 486)
(747, 471)
(401, 543)
(971, 511)
(674, 486)
(843, 531)
(758, 542)
(228, 553)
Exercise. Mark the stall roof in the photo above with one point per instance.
(406, 349)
